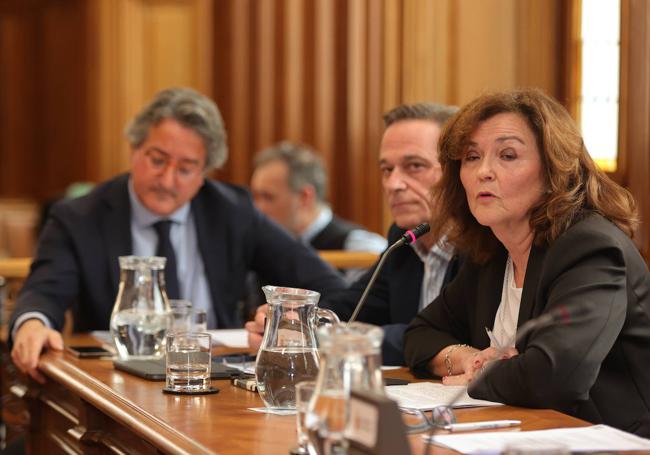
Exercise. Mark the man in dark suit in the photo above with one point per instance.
(209, 231)
(289, 185)
(412, 276)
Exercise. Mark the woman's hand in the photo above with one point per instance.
(473, 363)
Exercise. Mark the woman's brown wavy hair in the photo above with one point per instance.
(575, 185)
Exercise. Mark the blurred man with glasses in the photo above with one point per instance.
(209, 231)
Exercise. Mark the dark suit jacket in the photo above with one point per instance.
(333, 236)
(76, 262)
(596, 367)
(394, 299)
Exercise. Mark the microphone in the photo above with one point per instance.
(560, 315)
(410, 236)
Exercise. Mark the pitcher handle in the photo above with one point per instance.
(328, 315)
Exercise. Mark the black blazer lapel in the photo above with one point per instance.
(213, 243)
(116, 228)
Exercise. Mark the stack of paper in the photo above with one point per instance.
(428, 395)
(597, 438)
(234, 338)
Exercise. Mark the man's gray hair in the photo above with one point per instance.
(192, 110)
(304, 165)
(434, 112)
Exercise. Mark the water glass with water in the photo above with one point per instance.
(188, 362)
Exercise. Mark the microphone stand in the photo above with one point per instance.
(373, 278)
(410, 236)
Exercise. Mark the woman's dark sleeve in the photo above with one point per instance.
(558, 364)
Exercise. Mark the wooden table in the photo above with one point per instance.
(87, 406)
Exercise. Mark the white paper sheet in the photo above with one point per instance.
(428, 395)
(234, 338)
(597, 438)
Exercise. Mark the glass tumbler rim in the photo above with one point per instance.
(351, 336)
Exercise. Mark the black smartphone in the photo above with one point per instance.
(395, 381)
(88, 352)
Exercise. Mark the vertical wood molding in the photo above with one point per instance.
(265, 74)
(324, 80)
(392, 44)
(424, 26)
(294, 69)
(356, 100)
(538, 25)
(638, 115)
(238, 130)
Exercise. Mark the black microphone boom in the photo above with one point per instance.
(410, 236)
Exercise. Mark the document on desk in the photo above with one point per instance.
(597, 438)
(233, 338)
(428, 395)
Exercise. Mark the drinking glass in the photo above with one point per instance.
(304, 392)
(188, 362)
(187, 319)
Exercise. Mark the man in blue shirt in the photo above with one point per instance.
(211, 232)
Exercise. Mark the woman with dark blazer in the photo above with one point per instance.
(543, 229)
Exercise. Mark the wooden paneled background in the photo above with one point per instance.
(72, 72)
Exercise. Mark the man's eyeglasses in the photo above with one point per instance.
(160, 161)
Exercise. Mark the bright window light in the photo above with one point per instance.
(599, 96)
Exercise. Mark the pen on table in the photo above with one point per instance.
(493, 340)
(487, 425)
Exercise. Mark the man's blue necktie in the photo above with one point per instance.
(165, 249)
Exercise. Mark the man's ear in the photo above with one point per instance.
(307, 196)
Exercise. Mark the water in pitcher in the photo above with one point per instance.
(279, 369)
(139, 334)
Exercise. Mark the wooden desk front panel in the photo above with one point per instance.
(63, 421)
(135, 416)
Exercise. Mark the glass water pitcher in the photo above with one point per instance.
(141, 314)
(350, 358)
(288, 353)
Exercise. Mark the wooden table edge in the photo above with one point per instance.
(146, 425)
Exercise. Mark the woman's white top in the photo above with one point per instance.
(505, 321)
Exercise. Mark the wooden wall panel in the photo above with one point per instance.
(142, 46)
(320, 72)
(637, 110)
(306, 72)
(540, 34)
(42, 82)
(425, 67)
(17, 100)
(485, 46)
